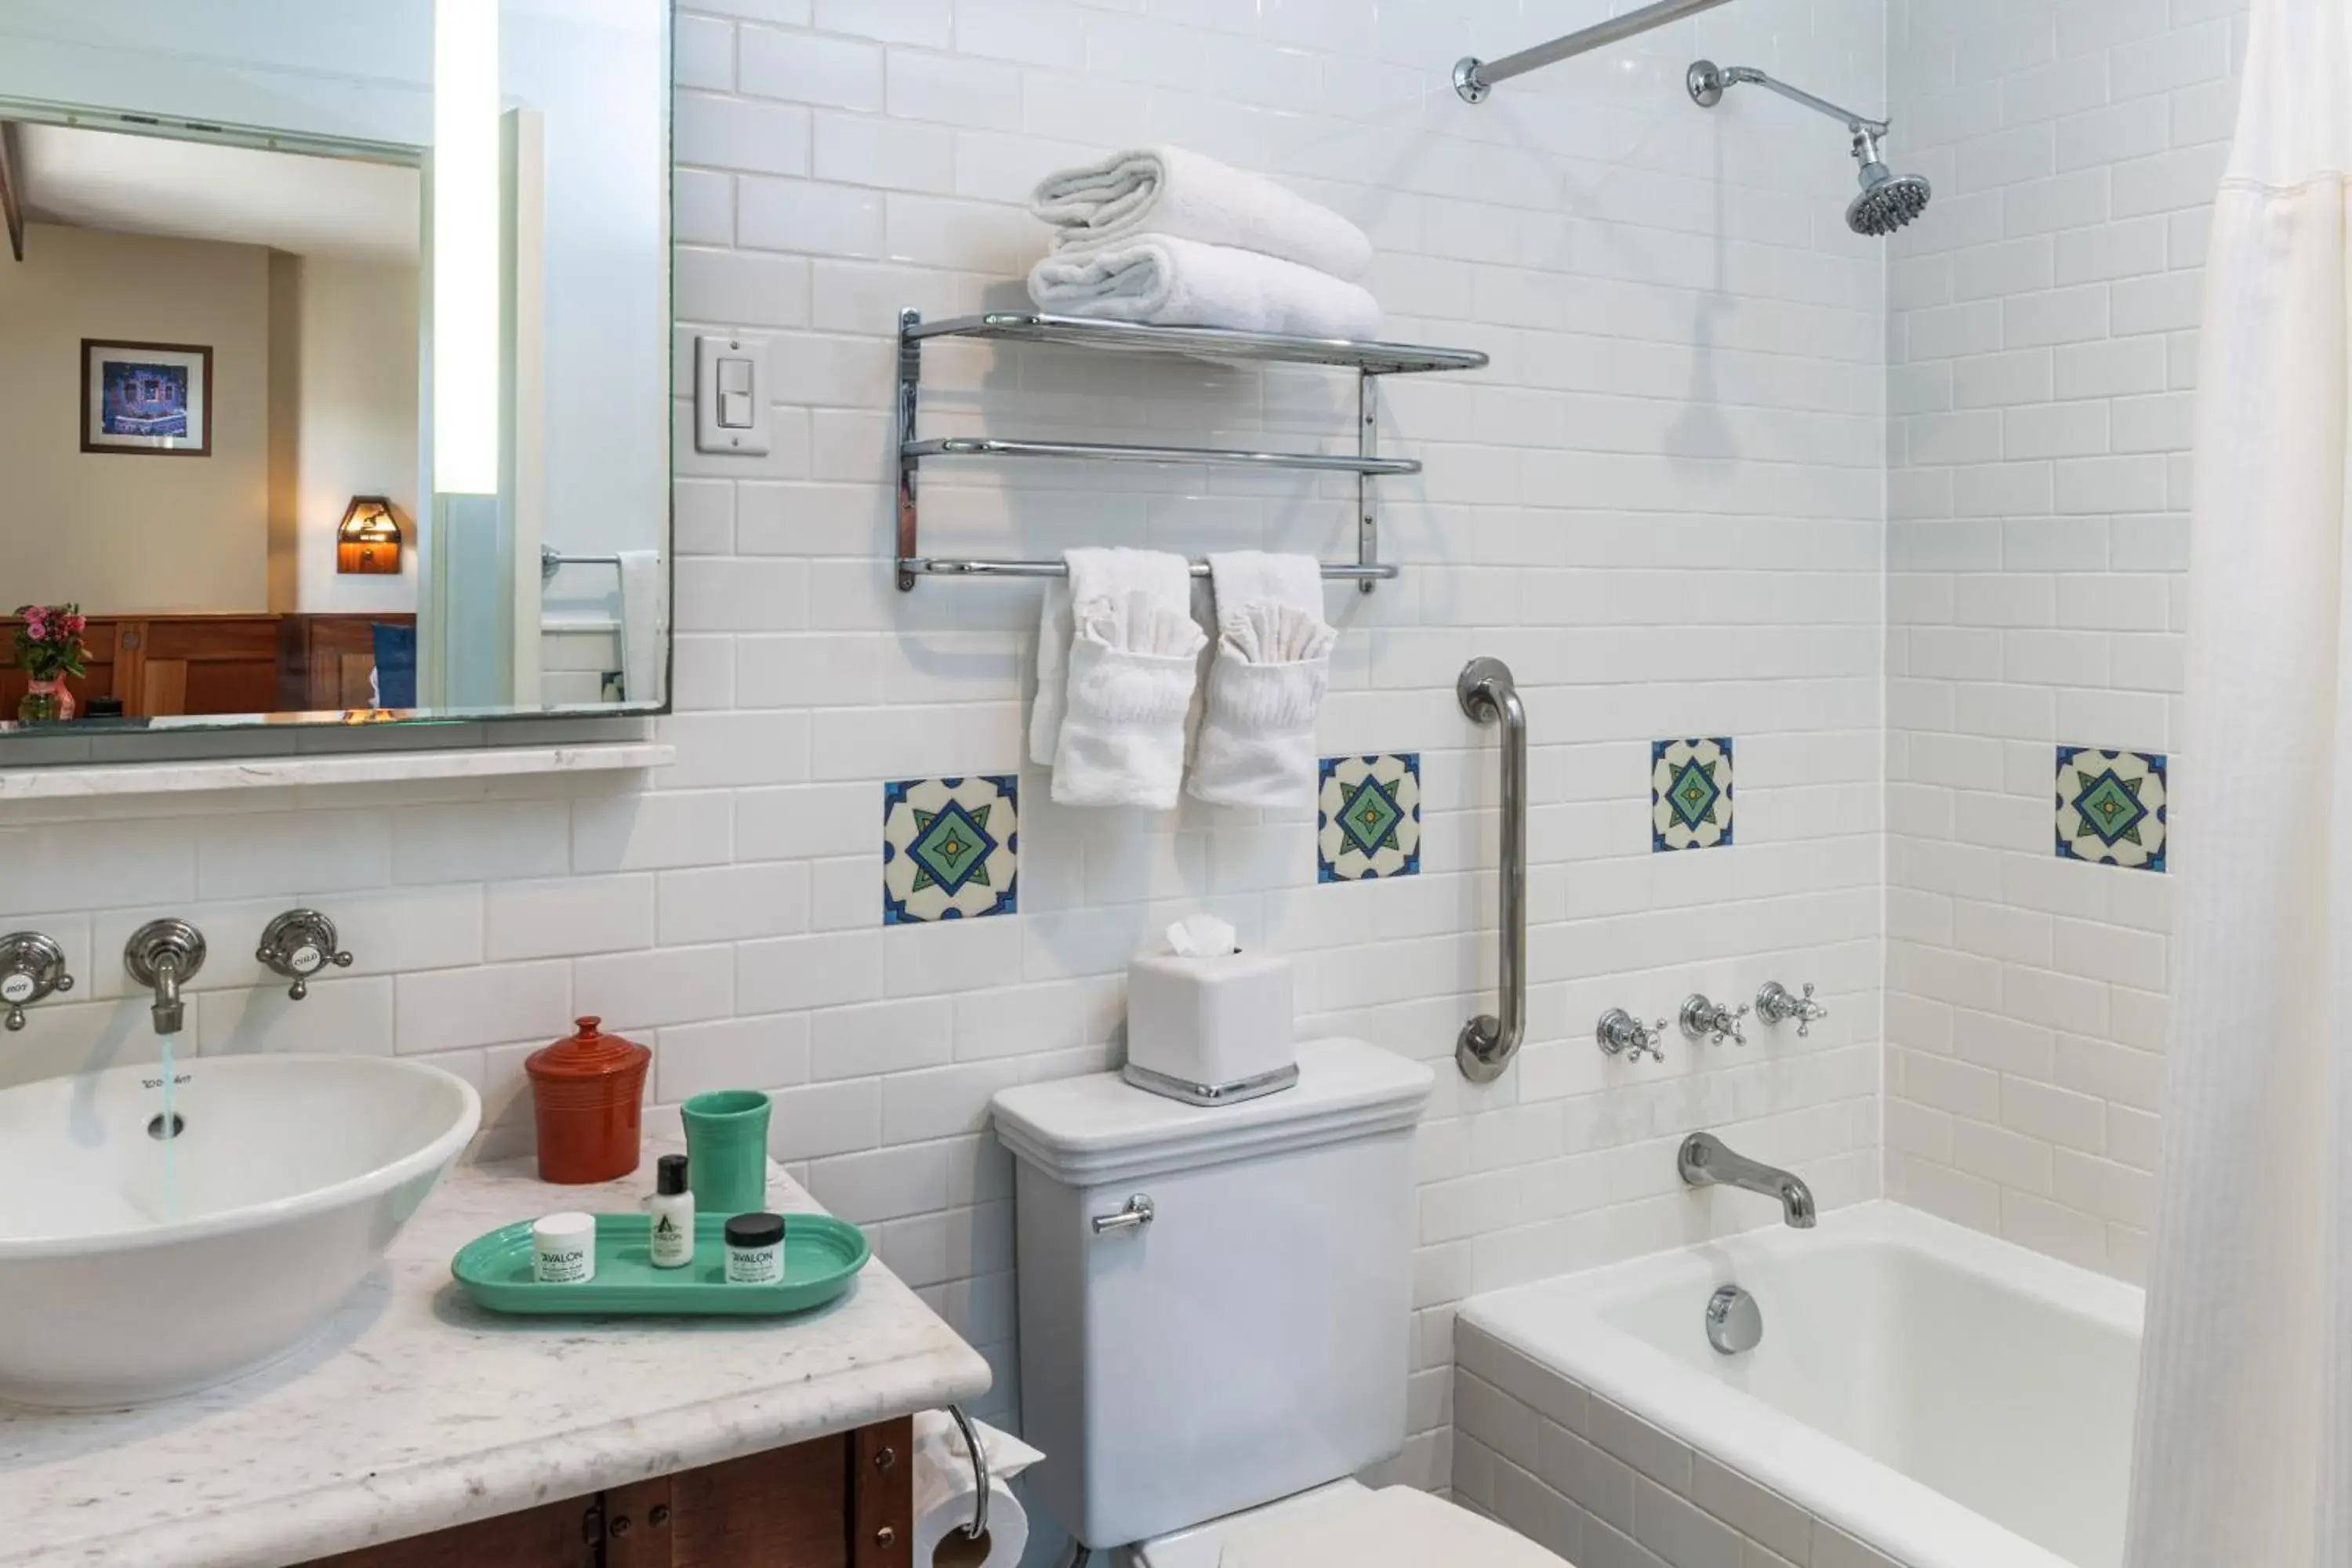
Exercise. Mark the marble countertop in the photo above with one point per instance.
(414, 1410)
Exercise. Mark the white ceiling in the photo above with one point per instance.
(200, 190)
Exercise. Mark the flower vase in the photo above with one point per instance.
(45, 701)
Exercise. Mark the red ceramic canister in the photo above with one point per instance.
(587, 1091)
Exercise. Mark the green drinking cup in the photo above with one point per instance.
(727, 1150)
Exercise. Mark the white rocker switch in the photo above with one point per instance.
(730, 394)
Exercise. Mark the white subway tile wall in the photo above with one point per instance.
(1663, 504)
(2040, 365)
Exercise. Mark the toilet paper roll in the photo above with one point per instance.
(943, 1497)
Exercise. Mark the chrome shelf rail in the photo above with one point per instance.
(990, 446)
(934, 566)
(1369, 360)
(1489, 1041)
(1474, 78)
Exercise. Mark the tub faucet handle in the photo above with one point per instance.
(1622, 1034)
(1712, 1021)
(1775, 1003)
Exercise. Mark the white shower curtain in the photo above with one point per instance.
(2244, 1443)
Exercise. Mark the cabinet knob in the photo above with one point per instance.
(885, 1458)
(885, 1537)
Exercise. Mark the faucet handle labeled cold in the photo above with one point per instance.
(1622, 1034)
(298, 944)
(1705, 1020)
(1776, 1003)
(31, 966)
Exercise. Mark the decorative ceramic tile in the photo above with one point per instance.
(2111, 807)
(1367, 817)
(1690, 794)
(950, 849)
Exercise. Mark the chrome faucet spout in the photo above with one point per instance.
(170, 1014)
(1705, 1162)
(161, 954)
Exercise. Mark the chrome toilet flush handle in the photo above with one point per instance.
(1775, 1003)
(1138, 1214)
(298, 944)
(1705, 1020)
(32, 966)
(1622, 1034)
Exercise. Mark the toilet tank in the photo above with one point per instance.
(1251, 1341)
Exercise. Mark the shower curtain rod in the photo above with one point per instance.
(1474, 78)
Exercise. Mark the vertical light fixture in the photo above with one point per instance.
(465, 227)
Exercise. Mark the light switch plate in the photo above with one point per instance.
(730, 394)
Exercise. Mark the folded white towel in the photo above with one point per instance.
(1094, 574)
(1167, 282)
(1165, 190)
(1267, 684)
(1132, 674)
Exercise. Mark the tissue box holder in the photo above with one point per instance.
(1213, 1031)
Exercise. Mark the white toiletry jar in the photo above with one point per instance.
(1210, 1030)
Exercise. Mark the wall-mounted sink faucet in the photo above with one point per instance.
(162, 955)
(31, 966)
(298, 944)
(1705, 1020)
(1776, 1003)
(1704, 1161)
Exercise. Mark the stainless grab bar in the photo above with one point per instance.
(1487, 1043)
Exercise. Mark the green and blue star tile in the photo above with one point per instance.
(1367, 817)
(1690, 794)
(950, 849)
(2111, 807)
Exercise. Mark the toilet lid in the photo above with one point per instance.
(1396, 1527)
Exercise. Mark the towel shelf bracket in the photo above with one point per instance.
(1369, 360)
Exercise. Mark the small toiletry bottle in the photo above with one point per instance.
(563, 1250)
(672, 1207)
(755, 1250)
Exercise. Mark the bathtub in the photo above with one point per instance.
(1923, 1396)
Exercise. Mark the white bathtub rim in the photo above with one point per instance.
(1557, 1323)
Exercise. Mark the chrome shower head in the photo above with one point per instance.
(1888, 200)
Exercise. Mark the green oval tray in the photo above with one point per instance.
(822, 1258)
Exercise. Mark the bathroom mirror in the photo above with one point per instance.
(334, 361)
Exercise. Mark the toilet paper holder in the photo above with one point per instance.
(979, 1525)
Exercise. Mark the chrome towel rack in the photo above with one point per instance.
(1369, 360)
(1488, 1042)
(552, 561)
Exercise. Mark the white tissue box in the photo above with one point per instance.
(1210, 1030)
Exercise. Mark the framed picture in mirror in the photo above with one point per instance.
(154, 399)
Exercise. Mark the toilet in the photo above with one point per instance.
(1215, 1311)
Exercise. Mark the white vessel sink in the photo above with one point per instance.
(134, 1268)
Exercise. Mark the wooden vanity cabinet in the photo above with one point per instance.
(844, 1501)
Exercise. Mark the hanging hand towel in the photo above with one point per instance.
(1267, 684)
(1130, 684)
(1167, 189)
(1167, 282)
(1092, 574)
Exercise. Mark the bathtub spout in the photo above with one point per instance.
(1706, 1162)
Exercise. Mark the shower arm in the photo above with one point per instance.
(1707, 81)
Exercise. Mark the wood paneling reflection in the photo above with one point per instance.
(169, 666)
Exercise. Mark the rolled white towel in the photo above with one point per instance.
(1167, 282)
(1131, 675)
(1167, 189)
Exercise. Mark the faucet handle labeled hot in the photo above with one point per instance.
(298, 944)
(32, 966)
